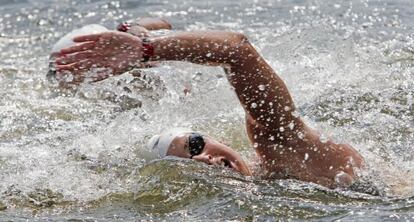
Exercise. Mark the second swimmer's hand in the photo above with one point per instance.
(98, 56)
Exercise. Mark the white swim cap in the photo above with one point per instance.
(159, 144)
(67, 40)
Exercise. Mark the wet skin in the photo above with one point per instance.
(285, 145)
(214, 153)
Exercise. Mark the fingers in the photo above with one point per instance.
(88, 38)
(154, 23)
(77, 67)
(138, 31)
(72, 58)
(78, 48)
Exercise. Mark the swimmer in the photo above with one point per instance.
(285, 146)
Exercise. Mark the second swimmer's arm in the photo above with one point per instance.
(154, 23)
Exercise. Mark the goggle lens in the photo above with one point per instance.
(196, 144)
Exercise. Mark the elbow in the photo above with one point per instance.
(238, 39)
(240, 48)
(241, 38)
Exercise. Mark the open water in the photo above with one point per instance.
(79, 156)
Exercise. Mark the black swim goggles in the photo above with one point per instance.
(196, 144)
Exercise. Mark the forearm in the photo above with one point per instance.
(203, 47)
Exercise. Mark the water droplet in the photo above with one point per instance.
(281, 129)
(240, 202)
(271, 138)
(306, 157)
(262, 87)
(208, 54)
(223, 120)
(323, 138)
(43, 22)
(295, 114)
(287, 108)
(253, 105)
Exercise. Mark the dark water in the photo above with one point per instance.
(78, 156)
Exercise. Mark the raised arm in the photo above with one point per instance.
(286, 146)
(261, 92)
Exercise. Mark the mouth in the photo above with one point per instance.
(227, 163)
(233, 166)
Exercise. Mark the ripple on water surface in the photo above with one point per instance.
(78, 154)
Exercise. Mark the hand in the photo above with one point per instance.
(153, 23)
(140, 27)
(138, 31)
(98, 56)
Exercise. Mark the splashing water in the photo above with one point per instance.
(78, 155)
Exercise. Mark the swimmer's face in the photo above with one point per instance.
(212, 153)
